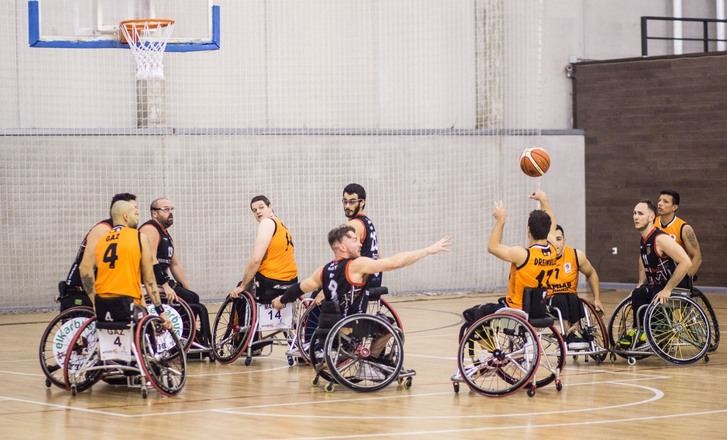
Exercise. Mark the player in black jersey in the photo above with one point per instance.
(343, 279)
(71, 292)
(165, 260)
(354, 206)
(662, 263)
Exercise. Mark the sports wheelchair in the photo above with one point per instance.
(362, 351)
(308, 322)
(55, 341)
(102, 348)
(186, 326)
(591, 328)
(245, 325)
(507, 349)
(677, 331)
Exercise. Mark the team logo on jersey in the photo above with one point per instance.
(648, 249)
(567, 267)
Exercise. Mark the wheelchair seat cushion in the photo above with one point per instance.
(114, 312)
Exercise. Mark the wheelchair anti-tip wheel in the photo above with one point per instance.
(678, 330)
(498, 354)
(161, 355)
(234, 328)
(55, 341)
(364, 352)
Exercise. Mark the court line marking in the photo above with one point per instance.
(18, 373)
(511, 427)
(657, 395)
(64, 407)
(234, 373)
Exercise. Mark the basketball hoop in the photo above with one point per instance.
(147, 38)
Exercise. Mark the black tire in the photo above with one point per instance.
(234, 328)
(161, 355)
(51, 361)
(595, 332)
(364, 352)
(701, 299)
(82, 353)
(189, 323)
(307, 325)
(498, 354)
(678, 330)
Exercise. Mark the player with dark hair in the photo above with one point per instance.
(531, 267)
(678, 229)
(71, 291)
(272, 265)
(354, 207)
(564, 285)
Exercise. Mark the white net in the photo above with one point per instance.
(427, 104)
(147, 39)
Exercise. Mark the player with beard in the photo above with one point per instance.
(354, 207)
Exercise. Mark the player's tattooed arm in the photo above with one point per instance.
(88, 282)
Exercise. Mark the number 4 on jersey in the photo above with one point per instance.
(109, 255)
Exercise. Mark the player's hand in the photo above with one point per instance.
(278, 304)
(166, 323)
(440, 246)
(170, 294)
(499, 212)
(235, 293)
(597, 304)
(663, 296)
(539, 196)
(320, 298)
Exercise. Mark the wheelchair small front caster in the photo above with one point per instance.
(329, 387)
(47, 383)
(558, 385)
(144, 393)
(74, 390)
(531, 390)
(248, 361)
(455, 385)
(631, 361)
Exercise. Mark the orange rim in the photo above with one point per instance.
(136, 23)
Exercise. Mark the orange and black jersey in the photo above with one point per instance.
(73, 279)
(337, 286)
(658, 268)
(118, 263)
(537, 271)
(673, 229)
(279, 260)
(565, 276)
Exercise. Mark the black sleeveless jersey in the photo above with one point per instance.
(370, 248)
(658, 269)
(337, 287)
(73, 279)
(165, 249)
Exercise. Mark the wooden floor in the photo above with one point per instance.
(270, 400)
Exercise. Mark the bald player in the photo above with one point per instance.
(121, 259)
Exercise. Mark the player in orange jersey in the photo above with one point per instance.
(679, 230)
(121, 259)
(272, 264)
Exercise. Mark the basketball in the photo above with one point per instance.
(535, 161)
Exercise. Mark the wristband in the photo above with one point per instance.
(159, 309)
(291, 294)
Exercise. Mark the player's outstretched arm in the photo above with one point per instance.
(512, 254)
(309, 284)
(542, 198)
(366, 265)
(587, 269)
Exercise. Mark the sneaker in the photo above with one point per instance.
(576, 341)
(627, 340)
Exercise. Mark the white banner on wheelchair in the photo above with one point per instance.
(271, 319)
(114, 344)
(174, 317)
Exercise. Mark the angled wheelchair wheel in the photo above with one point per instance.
(364, 352)
(498, 354)
(235, 325)
(594, 331)
(161, 356)
(55, 341)
(552, 357)
(307, 325)
(383, 309)
(82, 357)
(678, 330)
(620, 322)
(703, 302)
(188, 329)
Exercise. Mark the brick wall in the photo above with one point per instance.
(652, 124)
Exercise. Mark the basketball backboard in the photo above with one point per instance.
(92, 24)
